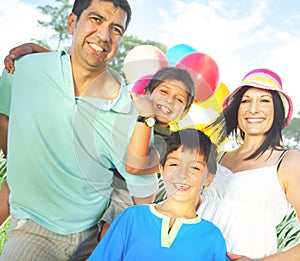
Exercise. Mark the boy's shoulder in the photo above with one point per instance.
(135, 212)
(137, 208)
(210, 227)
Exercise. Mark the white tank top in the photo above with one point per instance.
(246, 206)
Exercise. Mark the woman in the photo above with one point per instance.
(256, 183)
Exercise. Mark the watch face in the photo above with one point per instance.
(150, 122)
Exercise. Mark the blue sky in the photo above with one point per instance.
(239, 35)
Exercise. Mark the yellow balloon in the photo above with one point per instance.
(215, 102)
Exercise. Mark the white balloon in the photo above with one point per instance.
(143, 60)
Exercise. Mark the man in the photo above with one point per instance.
(69, 123)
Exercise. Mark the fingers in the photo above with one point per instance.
(142, 103)
(15, 53)
(9, 62)
(233, 256)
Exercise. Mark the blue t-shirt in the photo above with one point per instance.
(61, 147)
(141, 233)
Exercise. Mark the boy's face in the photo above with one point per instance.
(169, 100)
(96, 35)
(185, 173)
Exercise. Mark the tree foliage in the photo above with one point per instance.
(58, 20)
(292, 133)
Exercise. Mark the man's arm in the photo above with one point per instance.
(3, 133)
(20, 50)
(4, 192)
(4, 204)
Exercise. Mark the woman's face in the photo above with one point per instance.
(256, 112)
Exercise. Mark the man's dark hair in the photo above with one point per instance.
(80, 5)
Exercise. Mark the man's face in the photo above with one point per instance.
(96, 34)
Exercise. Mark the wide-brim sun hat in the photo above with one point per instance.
(267, 80)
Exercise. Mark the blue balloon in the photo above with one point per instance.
(177, 52)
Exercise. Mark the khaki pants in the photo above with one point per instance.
(28, 241)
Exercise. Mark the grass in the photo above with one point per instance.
(4, 226)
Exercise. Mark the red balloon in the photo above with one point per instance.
(204, 71)
(139, 86)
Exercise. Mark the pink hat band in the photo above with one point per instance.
(268, 80)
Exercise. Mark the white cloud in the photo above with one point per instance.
(239, 35)
(19, 25)
(238, 41)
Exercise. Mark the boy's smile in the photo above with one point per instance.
(184, 174)
(169, 100)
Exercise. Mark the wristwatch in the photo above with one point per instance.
(149, 120)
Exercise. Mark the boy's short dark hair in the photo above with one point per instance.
(80, 5)
(174, 73)
(195, 140)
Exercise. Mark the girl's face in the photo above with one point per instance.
(169, 100)
(256, 112)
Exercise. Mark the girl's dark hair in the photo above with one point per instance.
(80, 5)
(173, 73)
(227, 123)
(195, 140)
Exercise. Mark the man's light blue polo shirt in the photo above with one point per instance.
(60, 147)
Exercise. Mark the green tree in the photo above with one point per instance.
(292, 133)
(58, 21)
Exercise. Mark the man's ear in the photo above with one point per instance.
(71, 23)
(161, 169)
(209, 179)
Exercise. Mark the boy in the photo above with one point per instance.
(169, 96)
(170, 230)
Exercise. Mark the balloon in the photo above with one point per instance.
(177, 52)
(215, 102)
(204, 71)
(221, 93)
(139, 86)
(143, 60)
